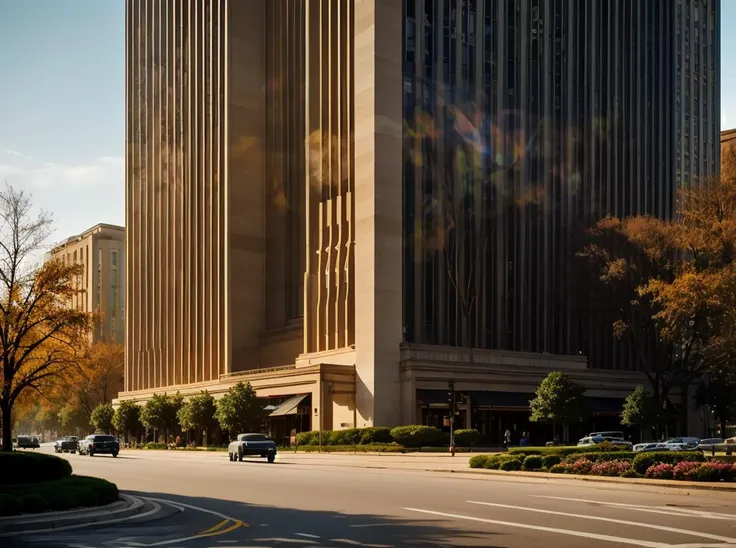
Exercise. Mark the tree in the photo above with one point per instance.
(72, 419)
(102, 417)
(160, 412)
(199, 414)
(558, 400)
(41, 336)
(127, 419)
(640, 409)
(240, 410)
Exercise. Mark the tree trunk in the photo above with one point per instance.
(7, 427)
(723, 428)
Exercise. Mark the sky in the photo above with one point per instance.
(62, 67)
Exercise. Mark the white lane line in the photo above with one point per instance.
(593, 536)
(611, 520)
(667, 510)
(356, 543)
(306, 535)
(192, 507)
(374, 525)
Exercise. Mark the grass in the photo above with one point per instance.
(57, 495)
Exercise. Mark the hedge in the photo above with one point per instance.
(372, 448)
(564, 450)
(20, 466)
(466, 437)
(643, 461)
(58, 495)
(602, 456)
(532, 462)
(417, 435)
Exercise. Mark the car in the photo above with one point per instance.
(67, 444)
(648, 447)
(99, 444)
(682, 444)
(614, 438)
(252, 445)
(27, 442)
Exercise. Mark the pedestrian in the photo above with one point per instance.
(507, 438)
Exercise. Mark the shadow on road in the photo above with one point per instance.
(284, 526)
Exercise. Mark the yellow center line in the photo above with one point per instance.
(215, 528)
(215, 533)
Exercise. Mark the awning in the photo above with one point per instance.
(270, 407)
(501, 400)
(289, 407)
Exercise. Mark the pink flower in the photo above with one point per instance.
(686, 470)
(610, 468)
(581, 466)
(660, 471)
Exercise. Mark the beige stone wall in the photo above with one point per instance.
(378, 213)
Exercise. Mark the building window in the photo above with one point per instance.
(114, 294)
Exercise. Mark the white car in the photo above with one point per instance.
(649, 447)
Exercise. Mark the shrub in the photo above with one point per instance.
(376, 434)
(306, 438)
(417, 435)
(602, 456)
(492, 463)
(558, 469)
(9, 505)
(644, 461)
(21, 467)
(510, 465)
(662, 470)
(686, 470)
(350, 436)
(467, 437)
(154, 445)
(548, 461)
(630, 473)
(715, 471)
(32, 503)
(581, 466)
(611, 468)
(532, 462)
(478, 461)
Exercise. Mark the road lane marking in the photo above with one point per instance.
(214, 527)
(356, 543)
(666, 510)
(374, 525)
(285, 540)
(611, 520)
(593, 536)
(306, 535)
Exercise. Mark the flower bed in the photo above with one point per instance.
(677, 465)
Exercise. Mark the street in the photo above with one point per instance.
(330, 500)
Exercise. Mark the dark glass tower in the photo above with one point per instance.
(526, 120)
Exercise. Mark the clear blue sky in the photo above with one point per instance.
(61, 114)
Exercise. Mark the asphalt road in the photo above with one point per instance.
(319, 501)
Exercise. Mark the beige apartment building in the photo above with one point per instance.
(101, 249)
(351, 203)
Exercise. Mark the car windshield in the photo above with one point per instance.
(253, 437)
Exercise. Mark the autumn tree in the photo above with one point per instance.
(127, 419)
(558, 400)
(41, 336)
(239, 410)
(98, 378)
(198, 414)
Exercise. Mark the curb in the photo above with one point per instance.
(673, 484)
(126, 508)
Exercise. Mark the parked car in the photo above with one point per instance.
(681, 444)
(648, 447)
(27, 442)
(709, 445)
(615, 438)
(252, 445)
(68, 444)
(99, 444)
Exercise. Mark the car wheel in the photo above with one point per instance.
(240, 457)
(115, 454)
(91, 453)
(271, 459)
(230, 457)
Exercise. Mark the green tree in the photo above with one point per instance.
(73, 419)
(640, 409)
(558, 401)
(198, 414)
(240, 410)
(127, 419)
(160, 412)
(101, 417)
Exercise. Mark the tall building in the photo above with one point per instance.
(101, 250)
(350, 203)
